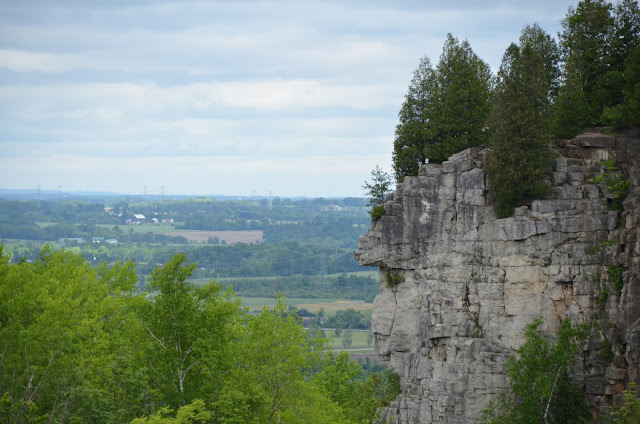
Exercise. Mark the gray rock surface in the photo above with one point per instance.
(458, 286)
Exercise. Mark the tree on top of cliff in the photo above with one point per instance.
(411, 133)
(445, 110)
(545, 45)
(520, 151)
(599, 45)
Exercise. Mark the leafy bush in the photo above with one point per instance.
(614, 183)
(629, 413)
(540, 385)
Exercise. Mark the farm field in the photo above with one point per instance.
(229, 237)
(227, 280)
(330, 306)
(358, 340)
(197, 236)
(145, 228)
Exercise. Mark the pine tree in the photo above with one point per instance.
(588, 33)
(462, 103)
(519, 145)
(445, 109)
(545, 46)
(411, 132)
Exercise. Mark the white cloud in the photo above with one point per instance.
(24, 61)
(223, 97)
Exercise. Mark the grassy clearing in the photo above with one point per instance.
(330, 306)
(146, 227)
(259, 302)
(358, 340)
(228, 280)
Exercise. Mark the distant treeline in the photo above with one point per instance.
(335, 222)
(235, 260)
(305, 286)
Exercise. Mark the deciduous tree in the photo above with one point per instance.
(540, 388)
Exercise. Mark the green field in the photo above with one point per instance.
(358, 339)
(145, 228)
(373, 274)
(259, 302)
(330, 306)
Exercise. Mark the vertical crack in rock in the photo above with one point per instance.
(466, 284)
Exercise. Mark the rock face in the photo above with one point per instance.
(459, 286)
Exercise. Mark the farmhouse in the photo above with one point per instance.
(136, 218)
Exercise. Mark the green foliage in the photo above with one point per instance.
(360, 397)
(586, 38)
(570, 112)
(462, 103)
(540, 386)
(606, 352)
(614, 272)
(600, 80)
(377, 212)
(614, 183)
(520, 153)
(61, 337)
(82, 347)
(347, 318)
(549, 51)
(376, 191)
(629, 413)
(412, 132)
(632, 87)
(445, 109)
(193, 413)
(188, 331)
(393, 278)
(601, 300)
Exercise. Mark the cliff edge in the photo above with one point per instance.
(459, 285)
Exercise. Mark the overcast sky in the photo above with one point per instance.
(296, 98)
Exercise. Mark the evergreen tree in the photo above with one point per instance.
(626, 53)
(632, 88)
(377, 190)
(411, 132)
(445, 110)
(462, 105)
(545, 46)
(626, 33)
(588, 31)
(571, 111)
(519, 146)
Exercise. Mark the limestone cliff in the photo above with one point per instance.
(459, 286)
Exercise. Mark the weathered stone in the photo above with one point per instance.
(471, 282)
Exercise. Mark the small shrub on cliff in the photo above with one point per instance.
(540, 386)
(376, 191)
(629, 413)
(614, 183)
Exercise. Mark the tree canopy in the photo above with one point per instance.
(445, 109)
(78, 344)
(520, 152)
(598, 42)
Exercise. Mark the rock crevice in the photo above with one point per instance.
(458, 285)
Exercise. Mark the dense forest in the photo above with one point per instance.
(79, 344)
